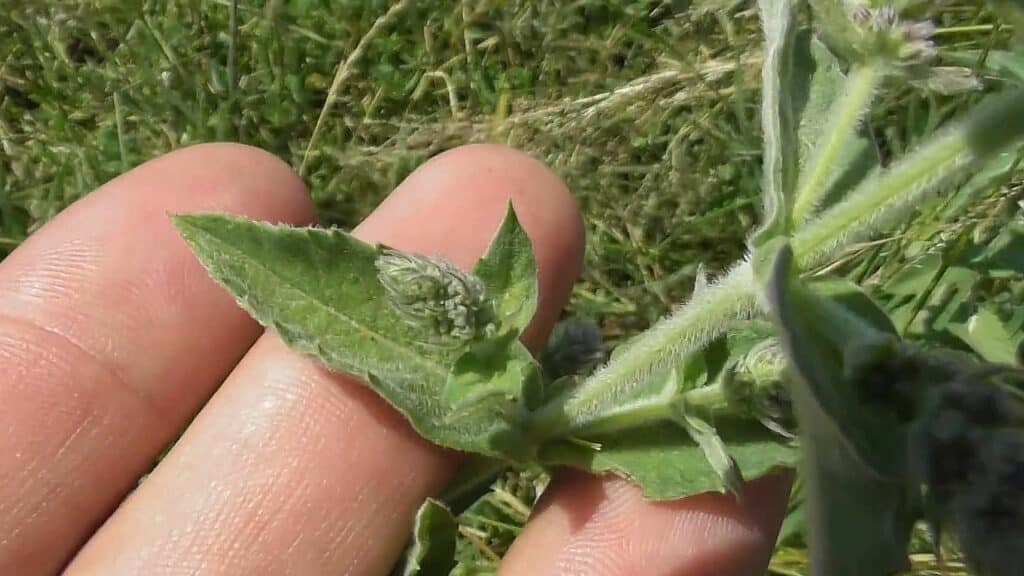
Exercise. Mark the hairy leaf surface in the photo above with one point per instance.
(834, 154)
(320, 291)
(509, 272)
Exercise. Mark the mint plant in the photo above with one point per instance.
(706, 398)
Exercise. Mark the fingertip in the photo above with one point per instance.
(604, 527)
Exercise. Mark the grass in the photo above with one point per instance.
(648, 109)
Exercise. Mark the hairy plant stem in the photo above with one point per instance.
(886, 198)
(609, 394)
(845, 115)
(670, 404)
(882, 200)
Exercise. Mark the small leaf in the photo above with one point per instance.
(851, 297)
(915, 277)
(837, 28)
(666, 463)
(1004, 255)
(509, 272)
(433, 547)
(947, 80)
(994, 173)
(836, 156)
(777, 119)
(715, 452)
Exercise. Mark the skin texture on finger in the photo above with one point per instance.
(292, 470)
(111, 337)
(603, 527)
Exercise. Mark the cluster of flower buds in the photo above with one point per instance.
(877, 32)
(433, 294)
(883, 34)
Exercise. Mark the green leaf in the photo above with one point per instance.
(1004, 255)
(987, 335)
(851, 297)
(319, 289)
(859, 518)
(494, 373)
(509, 273)
(834, 155)
(837, 29)
(793, 532)
(777, 118)
(666, 463)
(996, 172)
(715, 453)
(433, 547)
(915, 277)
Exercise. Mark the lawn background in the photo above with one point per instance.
(647, 109)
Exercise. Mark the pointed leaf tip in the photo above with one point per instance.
(509, 273)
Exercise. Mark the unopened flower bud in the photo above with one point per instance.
(432, 293)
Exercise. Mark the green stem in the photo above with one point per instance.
(886, 198)
(601, 398)
(921, 299)
(845, 115)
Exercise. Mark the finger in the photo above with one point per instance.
(290, 470)
(103, 314)
(604, 527)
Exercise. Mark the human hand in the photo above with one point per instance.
(112, 337)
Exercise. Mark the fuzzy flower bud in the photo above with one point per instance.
(434, 294)
(883, 34)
